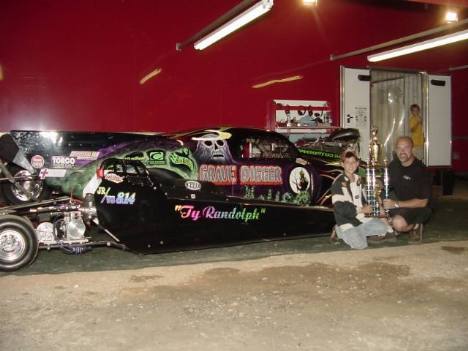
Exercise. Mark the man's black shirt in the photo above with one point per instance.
(412, 182)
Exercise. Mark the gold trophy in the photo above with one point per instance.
(373, 187)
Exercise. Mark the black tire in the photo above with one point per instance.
(18, 243)
(13, 194)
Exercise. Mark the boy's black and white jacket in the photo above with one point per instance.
(348, 199)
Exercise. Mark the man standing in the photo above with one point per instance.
(411, 183)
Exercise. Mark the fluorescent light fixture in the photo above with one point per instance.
(150, 75)
(276, 81)
(310, 2)
(424, 45)
(257, 10)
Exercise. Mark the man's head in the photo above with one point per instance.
(404, 150)
(349, 161)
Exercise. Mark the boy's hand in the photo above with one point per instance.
(367, 209)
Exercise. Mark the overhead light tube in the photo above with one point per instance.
(424, 45)
(451, 16)
(237, 22)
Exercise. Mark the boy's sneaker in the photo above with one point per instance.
(377, 239)
(390, 237)
(333, 236)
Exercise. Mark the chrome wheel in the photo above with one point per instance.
(24, 188)
(12, 245)
(18, 242)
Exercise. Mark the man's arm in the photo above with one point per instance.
(425, 184)
(412, 203)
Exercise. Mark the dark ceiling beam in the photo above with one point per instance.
(400, 40)
(449, 3)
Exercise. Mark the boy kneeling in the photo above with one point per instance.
(353, 227)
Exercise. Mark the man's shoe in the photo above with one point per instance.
(415, 235)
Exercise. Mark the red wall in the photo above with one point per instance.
(76, 65)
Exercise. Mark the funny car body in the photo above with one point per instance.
(158, 192)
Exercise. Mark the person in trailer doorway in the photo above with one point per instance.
(416, 128)
(409, 205)
(352, 224)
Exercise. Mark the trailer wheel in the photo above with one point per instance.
(14, 192)
(18, 243)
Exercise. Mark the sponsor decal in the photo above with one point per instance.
(52, 173)
(260, 175)
(212, 213)
(193, 185)
(156, 157)
(301, 161)
(138, 156)
(300, 180)
(43, 173)
(63, 162)
(318, 153)
(218, 174)
(85, 155)
(37, 161)
(112, 177)
(121, 198)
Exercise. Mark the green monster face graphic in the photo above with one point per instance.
(179, 161)
(181, 158)
(182, 162)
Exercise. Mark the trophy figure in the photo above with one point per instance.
(373, 188)
(374, 148)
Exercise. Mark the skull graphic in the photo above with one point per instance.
(212, 149)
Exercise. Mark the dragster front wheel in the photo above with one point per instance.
(18, 243)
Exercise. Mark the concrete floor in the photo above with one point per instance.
(298, 294)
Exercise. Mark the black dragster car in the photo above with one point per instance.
(154, 193)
